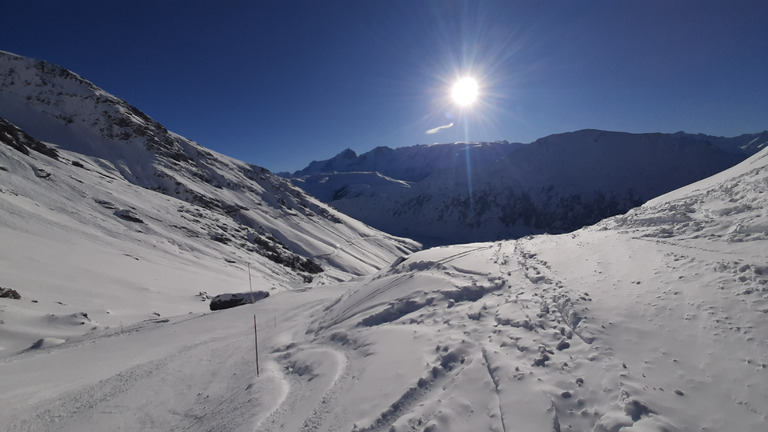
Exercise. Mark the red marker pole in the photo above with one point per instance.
(256, 343)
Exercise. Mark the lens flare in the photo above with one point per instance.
(465, 91)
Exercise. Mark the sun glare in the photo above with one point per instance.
(465, 91)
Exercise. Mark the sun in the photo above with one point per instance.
(465, 91)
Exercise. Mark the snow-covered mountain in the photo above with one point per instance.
(463, 192)
(656, 320)
(97, 199)
(57, 106)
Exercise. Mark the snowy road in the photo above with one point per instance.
(189, 373)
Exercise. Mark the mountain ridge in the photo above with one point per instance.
(101, 132)
(464, 192)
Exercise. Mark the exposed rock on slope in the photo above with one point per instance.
(19, 140)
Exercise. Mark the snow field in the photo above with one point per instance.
(595, 330)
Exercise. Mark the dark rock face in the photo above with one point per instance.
(129, 215)
(226, 301)
(9, 293)
(19, 140)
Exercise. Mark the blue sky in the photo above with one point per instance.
(281, 83)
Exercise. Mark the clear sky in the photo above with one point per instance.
(281, 83)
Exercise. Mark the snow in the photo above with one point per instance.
(656, 320)
(614, 327)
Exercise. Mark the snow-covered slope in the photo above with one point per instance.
(118, 218)
(455, 193)
(651, 321)
(57, 106)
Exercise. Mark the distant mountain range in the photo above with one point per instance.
(467, 192)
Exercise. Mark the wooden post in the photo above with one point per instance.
(256, 343)
(250, 285)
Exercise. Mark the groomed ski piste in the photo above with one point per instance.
(656, 320)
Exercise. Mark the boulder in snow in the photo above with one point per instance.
(226, 301)
(9, 293)
(129, 215)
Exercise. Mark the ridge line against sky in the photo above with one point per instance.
(282, 83)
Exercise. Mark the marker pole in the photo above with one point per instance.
(250, 285)
(256, 343)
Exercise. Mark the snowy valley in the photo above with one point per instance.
(115, 231)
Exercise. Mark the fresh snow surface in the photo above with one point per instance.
(652, 321)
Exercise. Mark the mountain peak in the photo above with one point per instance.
(346, 154)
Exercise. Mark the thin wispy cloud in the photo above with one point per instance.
(439, 128)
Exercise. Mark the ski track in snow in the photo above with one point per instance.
(548, 360)
(310, 390)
